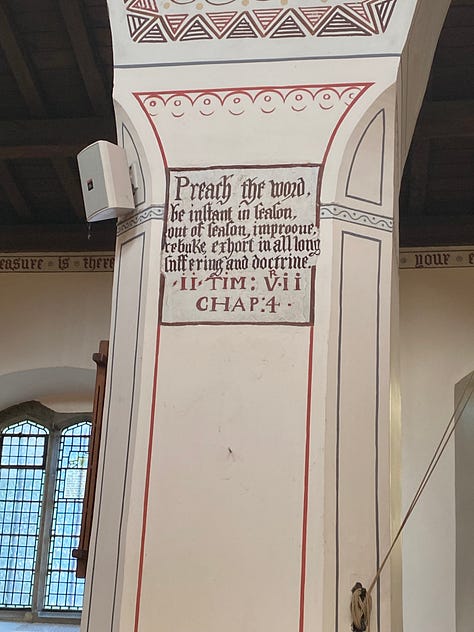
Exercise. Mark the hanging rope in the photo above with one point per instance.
(361, 601)
(361, 606)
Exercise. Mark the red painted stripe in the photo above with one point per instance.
(147, 483)
(306, 476)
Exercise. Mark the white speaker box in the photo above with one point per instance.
(105, 181)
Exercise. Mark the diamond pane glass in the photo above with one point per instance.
(22, 462)
(63, 590)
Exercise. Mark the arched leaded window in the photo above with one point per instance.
(63, 590)
(22, 472)
(43, 464)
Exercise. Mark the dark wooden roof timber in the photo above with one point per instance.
(55, 81)
(55, 86)
(437, 195)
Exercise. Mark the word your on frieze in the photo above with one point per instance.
(240, 245)
(429, 258)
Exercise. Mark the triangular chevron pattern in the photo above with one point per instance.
(175, 21)
(144, 6)
(288, 27)
(221, 20)
(266, 17)
(360, 9)
(137, 24)
(244, 28)
(384, 10)
(155, 35)
(365, 17)
(314, 15)
(197, 30)
(342, 21)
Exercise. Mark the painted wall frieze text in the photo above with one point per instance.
(64, 262)
(429, 258)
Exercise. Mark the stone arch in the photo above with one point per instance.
(62, 387)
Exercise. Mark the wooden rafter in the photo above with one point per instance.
(20, 66)
(13, 193)
(66, 237)
(446, 118)
(438, 232)
(76, 28)
(51, 138)
(419, 172)
(70, 182)
(60, 145)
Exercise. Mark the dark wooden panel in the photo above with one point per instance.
(26, 6)
(11, 101)
(454, 183)
(66, 238)
(10, 186)
(438, 232)
(55, 59)
(71, 100)
(458, 36)
(447, 121)
(459, 16)
(451, 170)
(49, 138)
(27, 21)
(8, 215)
(446, 118)
(453, 56)
(454, 83)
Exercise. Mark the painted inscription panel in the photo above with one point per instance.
(240, 245)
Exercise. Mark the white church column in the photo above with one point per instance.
(245, 468)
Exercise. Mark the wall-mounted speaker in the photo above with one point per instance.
(105, 181)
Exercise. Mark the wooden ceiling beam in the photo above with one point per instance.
(70, 183)
(58, 237)
(60, 145)
(439, 119)
(50, 138)
(419, 174)
(25, 152)
(438, 231)
(8, 184)
(19, 66)
(72, 15)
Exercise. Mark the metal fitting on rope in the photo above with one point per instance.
(361, 605)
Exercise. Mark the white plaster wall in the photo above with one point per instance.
(437, 350)
(50, 326)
